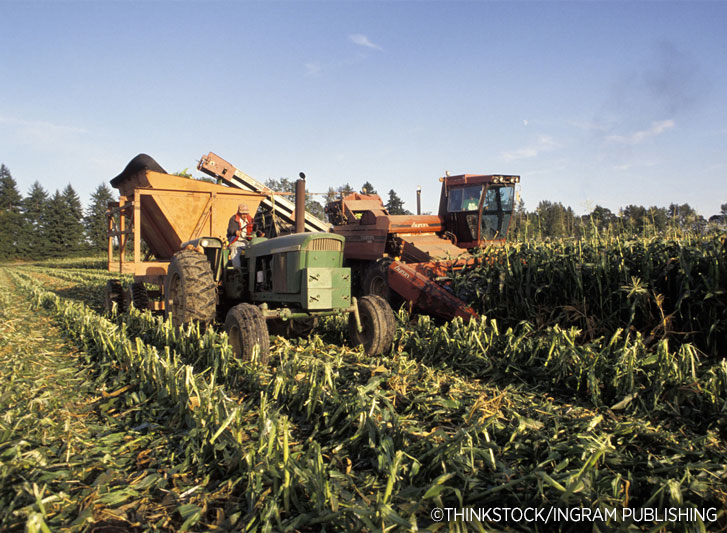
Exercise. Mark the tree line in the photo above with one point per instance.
(43, 224)
(553, 219)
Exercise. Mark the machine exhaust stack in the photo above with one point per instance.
(419, 200)
(300, 204)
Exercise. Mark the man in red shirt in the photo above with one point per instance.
(239, 231)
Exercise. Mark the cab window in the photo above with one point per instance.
(464, 199)
(496, 212)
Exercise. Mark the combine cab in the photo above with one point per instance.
(476, 210)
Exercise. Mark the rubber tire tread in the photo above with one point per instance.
(139, 297)
(198, 296)
(377, 339)
(253, 329)
(114, 293)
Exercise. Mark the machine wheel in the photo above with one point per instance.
(190, 292)
(376, 282)
(377, 322)
(138, 296)
(246, 327)
(114, 295)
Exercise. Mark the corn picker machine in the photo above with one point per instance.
(283, 284)
(405, 257)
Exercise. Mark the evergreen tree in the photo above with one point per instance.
(345, 190)
(368, 188)
(53, 227)
(395, 205)
(95, 221)
(63, 223)
(11, 218)
(35, 212)
(73, 219)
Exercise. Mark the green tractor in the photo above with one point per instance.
(281, 285)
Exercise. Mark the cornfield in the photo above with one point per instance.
(596, 379)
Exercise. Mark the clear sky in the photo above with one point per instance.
(590, 102)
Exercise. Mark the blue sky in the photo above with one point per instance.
(590, 102)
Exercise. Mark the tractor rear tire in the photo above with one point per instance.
(138, 296)
(378, 325)
(246, 327)
(114, 295)
(190, 292)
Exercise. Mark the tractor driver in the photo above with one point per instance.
(472, 199)
(239, 231)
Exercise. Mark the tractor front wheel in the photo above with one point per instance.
(377, 325)
(245, 326)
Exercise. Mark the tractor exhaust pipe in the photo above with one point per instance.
(419, 200)
(300, 204)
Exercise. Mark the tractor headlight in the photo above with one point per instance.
(204, 243)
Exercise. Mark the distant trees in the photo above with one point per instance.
(367, 188)
(42, 225)
(395, 205)
(312, 205)
(35, 218)
(552, 219)
(11, 216)
(94, 221)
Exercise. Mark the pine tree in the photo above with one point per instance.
(95, 221)
(368, 188)
(73, 219)
(63, 224)
(35, 212)
(345, 190)
(11, 218)
(53, 226)
(395, 205)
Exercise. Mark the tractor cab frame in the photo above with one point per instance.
(477, 209)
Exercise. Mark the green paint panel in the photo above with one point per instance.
(326, 288)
